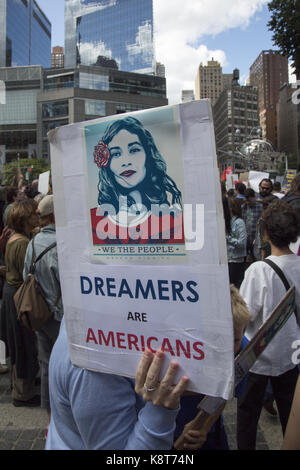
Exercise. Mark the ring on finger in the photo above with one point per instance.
(149, 389)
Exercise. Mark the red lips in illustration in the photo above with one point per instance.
(128, 173)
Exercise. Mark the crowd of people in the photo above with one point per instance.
(28, 227)
(90, 410)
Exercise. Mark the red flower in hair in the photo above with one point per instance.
(101, 155)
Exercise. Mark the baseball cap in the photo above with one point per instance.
(46, 206)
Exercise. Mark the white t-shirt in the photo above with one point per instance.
(262, 290)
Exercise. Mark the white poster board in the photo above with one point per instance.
(43, 186)
(230, 181)
(124, 289)
(255, 178)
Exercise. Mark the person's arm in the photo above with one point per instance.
(20, 255)
(291, 440)
(27, 261)
(6, 233)
(195, 432)
(156, 421)
(238, 238)
(254, 290)
(123, 420)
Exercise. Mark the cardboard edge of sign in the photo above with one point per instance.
(248, 356)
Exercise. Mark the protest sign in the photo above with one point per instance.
(244, 177)
(141, 243)
(288, 177)
(231, 179)
(43, 186)
(255, 178)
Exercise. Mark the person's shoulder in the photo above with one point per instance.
(258, 267)
(18, 241)
(45, 236)
(240, 222)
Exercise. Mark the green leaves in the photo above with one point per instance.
(285, 25)
(10, 173)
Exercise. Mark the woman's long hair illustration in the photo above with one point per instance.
(156, 185)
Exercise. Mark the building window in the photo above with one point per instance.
(94, 81)
(95, 108)
(55, 109)
(62, 81)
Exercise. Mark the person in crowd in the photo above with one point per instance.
(47, 275)
(2, 207)
(230, 192)
(223, 188)
(236, 240)
(20, 342)
(262, 250)
(277, 190)
(11, 197)
(262, 290)
(251, 212)
(265, 189)
(291, 440)
(212, 436)
(261, 247)
(240, 189)
(31, 192)
(97, 411)
(293, 196)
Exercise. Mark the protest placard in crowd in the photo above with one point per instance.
(288, 177)
(141, 243)
(43, 186)
(255, 177)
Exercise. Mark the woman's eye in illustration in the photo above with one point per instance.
(135, 149)
(115, 153)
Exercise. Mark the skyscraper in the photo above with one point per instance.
(112, 33)
(25, 34)
(209, 81)
(57, 57)
(268, 73)
(235, 110)
(187, 95)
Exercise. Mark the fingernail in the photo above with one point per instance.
(159, 354)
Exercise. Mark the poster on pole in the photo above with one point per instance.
(43, 186)
(141, 243)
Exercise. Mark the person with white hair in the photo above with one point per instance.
(47, 276)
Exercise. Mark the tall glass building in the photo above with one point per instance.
(25, 34)
(110, 33)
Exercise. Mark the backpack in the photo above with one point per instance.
(32, 309)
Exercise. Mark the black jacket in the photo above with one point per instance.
(293, 200)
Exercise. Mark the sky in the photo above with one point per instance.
(189, 32)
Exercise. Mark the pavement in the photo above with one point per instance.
(269, 434)
(24, 428)
(20, 428)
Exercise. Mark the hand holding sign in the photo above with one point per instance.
(147, 384)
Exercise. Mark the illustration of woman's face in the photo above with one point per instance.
(127, 159)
